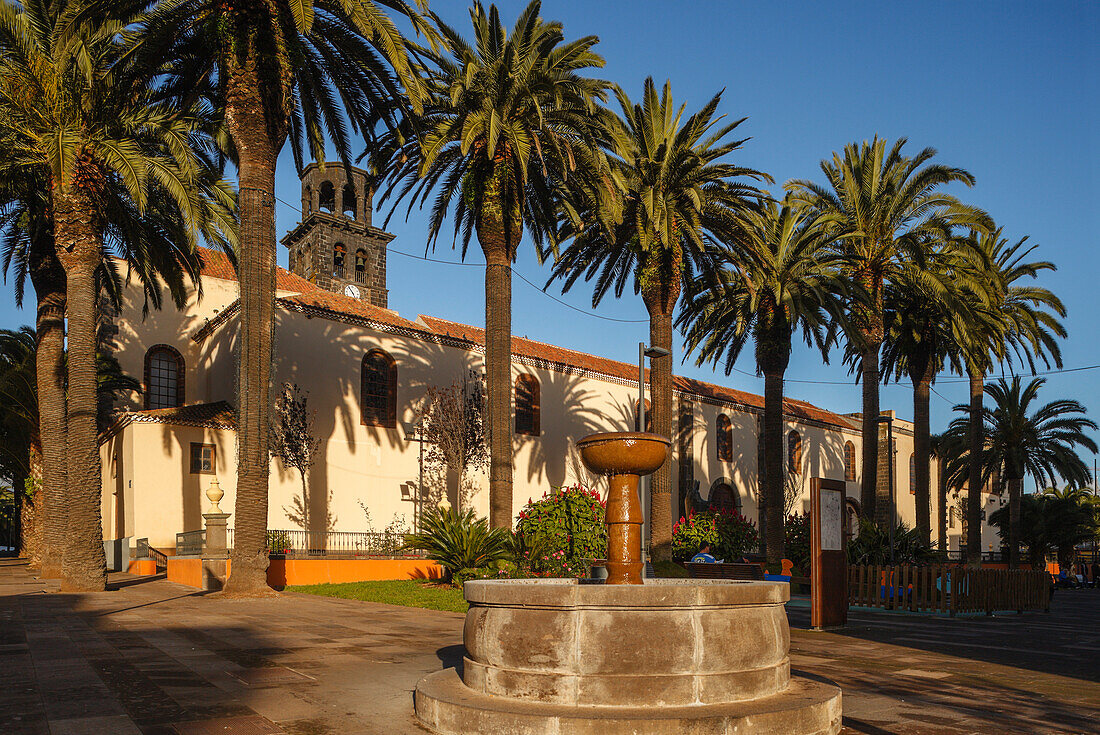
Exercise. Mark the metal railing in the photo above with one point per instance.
(959, 555)
(336, 543)
(338, 271)
(190, 543)
(360, 276)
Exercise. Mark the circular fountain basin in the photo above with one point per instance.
(623, 452)
(665, 642)
(666, 656)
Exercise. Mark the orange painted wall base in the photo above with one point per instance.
(287, 572)
(142, 566)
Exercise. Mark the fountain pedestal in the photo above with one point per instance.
(658, 656)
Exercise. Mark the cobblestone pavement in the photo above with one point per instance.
(155, 658)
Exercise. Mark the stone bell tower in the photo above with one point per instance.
(336, 246)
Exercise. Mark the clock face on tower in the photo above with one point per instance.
(351, 290)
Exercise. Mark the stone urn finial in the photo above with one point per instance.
(444, 505)
(215, 493)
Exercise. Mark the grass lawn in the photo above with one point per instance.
(407, 592)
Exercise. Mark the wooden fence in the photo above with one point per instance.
(948, 589)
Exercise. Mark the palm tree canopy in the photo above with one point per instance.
(508, 122)
(73, 111)
(1023, 440)
(790, 281)
(330, 67)
(1020, 320)
(681, 199)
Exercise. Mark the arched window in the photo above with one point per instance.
(339, 253)
(328, 197)
(851, 518)
(725, 438)
(378, 392)
(794, 453)
(347, 201)
(912, 474)
(528, 419)
(164, 373)
(849, 462)
(360, 266)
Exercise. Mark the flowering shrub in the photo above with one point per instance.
(729, 534)
(796, 542)
(557, 535)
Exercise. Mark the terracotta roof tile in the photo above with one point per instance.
(215, 264)
(318, 298)
(530, 348)
(219, 415)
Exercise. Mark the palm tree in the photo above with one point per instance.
(1021, 441)
(1070, 516)
(791, 282)
(283, 69)
(20, 433)
(72, 114)
(680, 200)
(1015, 320)
(507, 131)
(890, 204)
(924, 310)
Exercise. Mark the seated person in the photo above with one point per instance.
(704, 556)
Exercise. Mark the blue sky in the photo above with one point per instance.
(1007, 90)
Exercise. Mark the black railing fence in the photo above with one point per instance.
(295, 542)
(190, 543)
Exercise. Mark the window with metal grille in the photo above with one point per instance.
(378, 392)
(202, 459)
(528, 420)
(725, 438)
(912, 474)
(163, 377)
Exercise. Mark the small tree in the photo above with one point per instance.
(293, 442)
(454, 429)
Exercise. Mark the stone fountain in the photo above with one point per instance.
(627, 655)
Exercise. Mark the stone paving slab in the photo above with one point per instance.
(156, 658)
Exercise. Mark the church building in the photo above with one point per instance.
(366, 370)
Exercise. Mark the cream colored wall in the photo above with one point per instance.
(370, 464)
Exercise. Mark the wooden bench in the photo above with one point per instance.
(726, 570)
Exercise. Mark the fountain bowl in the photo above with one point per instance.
(623, 452)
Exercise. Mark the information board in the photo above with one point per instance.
(828, 557)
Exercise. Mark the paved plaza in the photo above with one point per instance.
(155, 658)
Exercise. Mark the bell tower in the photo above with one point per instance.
(336, 246)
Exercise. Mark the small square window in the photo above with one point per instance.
(202, 459)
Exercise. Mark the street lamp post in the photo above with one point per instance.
(643, 483)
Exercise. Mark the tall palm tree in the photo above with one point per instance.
(791, 282)
(1016, 321)
(73, 115)
(1071, 516)
(507, 131)
(890, 204)
(303, 70)
(679, 200)
(1021, 440)
(19, 400)
(925, 309)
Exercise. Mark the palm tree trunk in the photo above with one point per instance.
(258, 150)
(868, 494)
(1015, 489)
(921, 451)
(498, 374)
(974, 484)
(499, 235)
(762, 483)
(48, 278)
(660, 389)
(773, 464)
(941, 504)
(84, 566)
